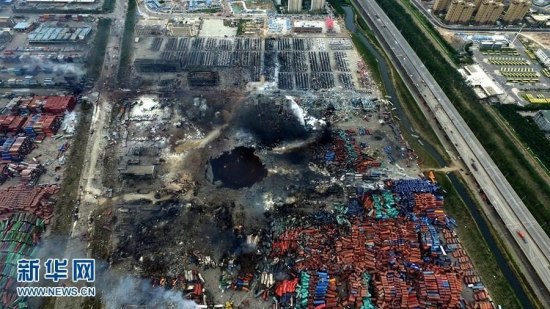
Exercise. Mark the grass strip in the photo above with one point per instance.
(68, 193)
(127, 46)
(470, 237)
(97, 54)
(528, 131)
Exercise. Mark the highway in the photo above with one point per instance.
(507, 203)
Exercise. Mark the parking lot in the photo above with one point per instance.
(512, 69)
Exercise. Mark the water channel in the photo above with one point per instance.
(405, 124)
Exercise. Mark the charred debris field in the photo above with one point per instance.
(235, 171)
(269, 171)
(298, 200)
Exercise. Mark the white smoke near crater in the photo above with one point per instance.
(127, 290)
(116, 290)
(306, 120)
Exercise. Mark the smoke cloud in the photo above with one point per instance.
(117, 290)
(127, 290)
(49, 66)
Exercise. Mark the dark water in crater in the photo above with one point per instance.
(238, 168)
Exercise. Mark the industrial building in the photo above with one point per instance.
(181, 30)
(157, 65)
(460, 11)
(203, 78)
(23, 27)
(517, 10)
(140, 171)
(317, 5)
(542, 119)
(489, 11)
(46, 34)
(308, 29)
(481, 82)
(184, 28)
(308, 26)
(294, 6)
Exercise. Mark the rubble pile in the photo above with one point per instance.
(346, 154)
(29, 172)
(381, 249)
(190, 282)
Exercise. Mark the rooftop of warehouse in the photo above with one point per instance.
(22, 25)
(475, 75)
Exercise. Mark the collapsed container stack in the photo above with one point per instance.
(29, 125)
(35, 200)
(190, 282)
(19, 235)
(5, 122)
(6, 146)
(31, 172)
(59, 104)
(47, 124)
(430, 205)
(438, 289)
(347, 155)
(404, 253)
(17, 123)
(4, 172)
(22, 146)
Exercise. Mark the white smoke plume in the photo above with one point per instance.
(58, 68)
(305, 119)
(116, 290)
(127, 290)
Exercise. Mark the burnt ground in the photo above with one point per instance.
(184, 217)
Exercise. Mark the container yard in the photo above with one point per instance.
(26, 125)
(35, 133)
(47, 50)
(245, 163)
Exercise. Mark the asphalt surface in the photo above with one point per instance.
(505, 200)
